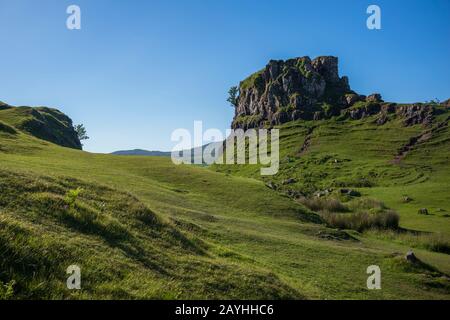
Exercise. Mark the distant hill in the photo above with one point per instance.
(141, 152)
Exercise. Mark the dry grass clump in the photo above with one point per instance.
(359, 214)
(361, 221)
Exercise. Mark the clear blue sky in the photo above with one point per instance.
(137, 70)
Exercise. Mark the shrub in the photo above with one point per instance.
(7, 290)
(437, 243)
(72, 196)
(367, 204)
(362, 220)
(429, 241)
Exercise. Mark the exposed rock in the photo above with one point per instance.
(411, 257)
(352, 98)
(364, 111)
(374, 97)
(294, 193)
(305, 89)
(320, 194)
(406, 199)
(382, 119)
(289, 181)
(271, 185)
(323, 193)
(350, 192)
(416, 114)
(289, 90)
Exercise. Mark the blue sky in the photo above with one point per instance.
(137, 70)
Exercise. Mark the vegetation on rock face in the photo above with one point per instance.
(254, 80)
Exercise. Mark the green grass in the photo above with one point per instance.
(358, 154)
(142, 227)
(252, 80)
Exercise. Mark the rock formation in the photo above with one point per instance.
(44, 123)
(307, 89)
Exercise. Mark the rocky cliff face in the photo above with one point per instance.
(290, 90)
(307, 89)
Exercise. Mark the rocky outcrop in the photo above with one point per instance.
(44, 123)
(290, 90)
(416, 114)
(307, 89)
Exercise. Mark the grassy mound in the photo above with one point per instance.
(42, 122)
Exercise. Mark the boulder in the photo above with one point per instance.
(374, 97)
(423, 211)
(350, 192)
(352, 98)
(271, 185)
(411, 257)
(407, 199)
(289, 181)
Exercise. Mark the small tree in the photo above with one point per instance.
(81, 132)
(233, 96)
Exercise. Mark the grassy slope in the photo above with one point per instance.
(144, 228)
(364, 152)
(358, 155)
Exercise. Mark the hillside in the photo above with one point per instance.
(43, 123)
(332, 143)
(145, 228)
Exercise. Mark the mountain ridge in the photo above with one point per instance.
(142, 152)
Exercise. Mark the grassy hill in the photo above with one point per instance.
(142, 227)
(44, 123)
(323, 157)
